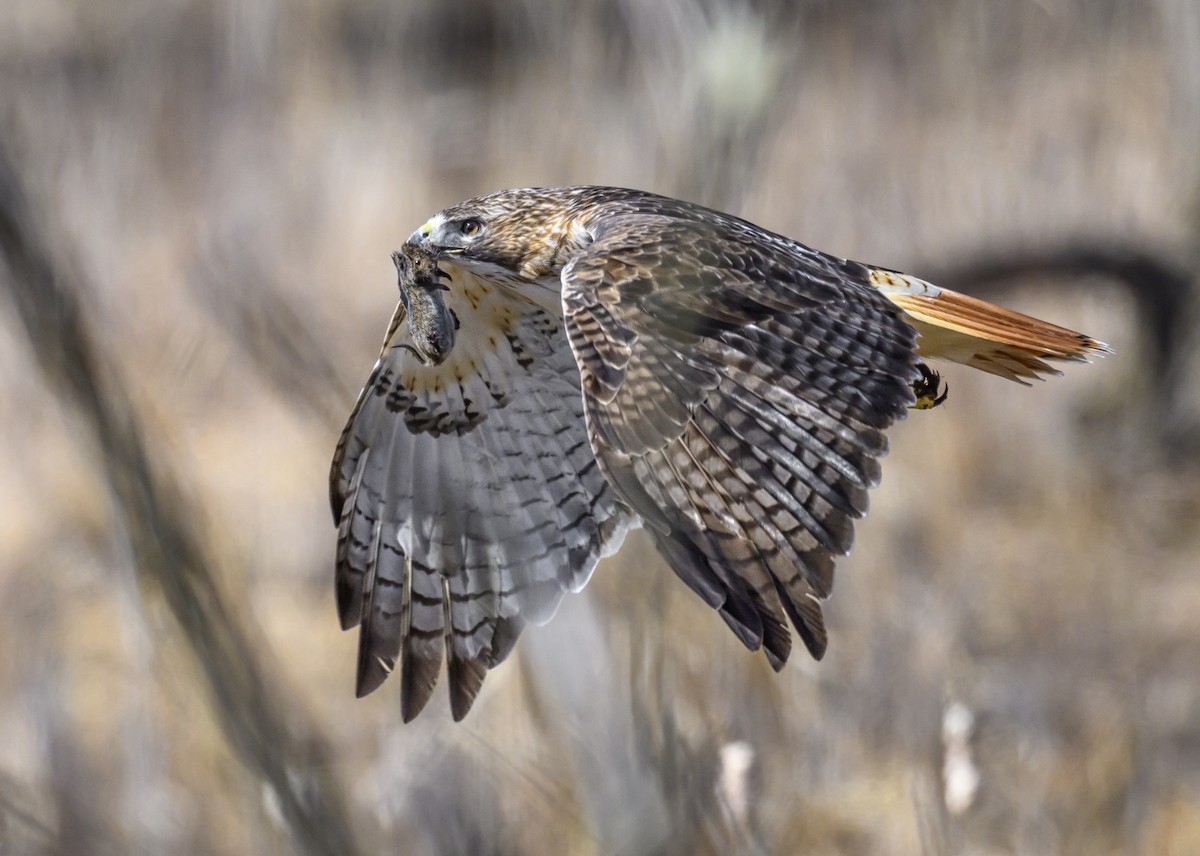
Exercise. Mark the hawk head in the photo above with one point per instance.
(514, 236)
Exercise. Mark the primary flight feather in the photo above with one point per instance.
(568, 363)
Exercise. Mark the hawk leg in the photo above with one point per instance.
(926, 389)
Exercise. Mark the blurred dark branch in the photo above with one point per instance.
(1162, 291)
(81, 822)
(169, 555)
(459, 811)
(22, 828)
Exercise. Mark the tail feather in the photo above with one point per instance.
(982, 335)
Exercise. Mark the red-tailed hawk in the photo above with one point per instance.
(567, 363)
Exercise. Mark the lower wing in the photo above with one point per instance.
(467, 497)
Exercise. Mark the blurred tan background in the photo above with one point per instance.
(199, 201)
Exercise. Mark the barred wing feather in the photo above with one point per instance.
(467, 497)
(737, 386)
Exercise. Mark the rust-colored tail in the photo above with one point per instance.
(982, 335)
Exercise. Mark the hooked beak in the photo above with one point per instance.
(428, 238)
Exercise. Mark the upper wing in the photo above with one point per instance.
(466, 495)
(736, 387)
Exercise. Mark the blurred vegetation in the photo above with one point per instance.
(198, 199)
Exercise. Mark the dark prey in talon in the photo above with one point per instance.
(926, 389)
(431, 323)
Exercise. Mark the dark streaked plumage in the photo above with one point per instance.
(566, 363)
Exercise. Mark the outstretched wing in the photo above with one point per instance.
(737, 386)
(466, 495)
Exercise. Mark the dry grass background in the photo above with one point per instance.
(219, 185)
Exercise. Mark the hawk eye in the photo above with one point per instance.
(470, 227)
